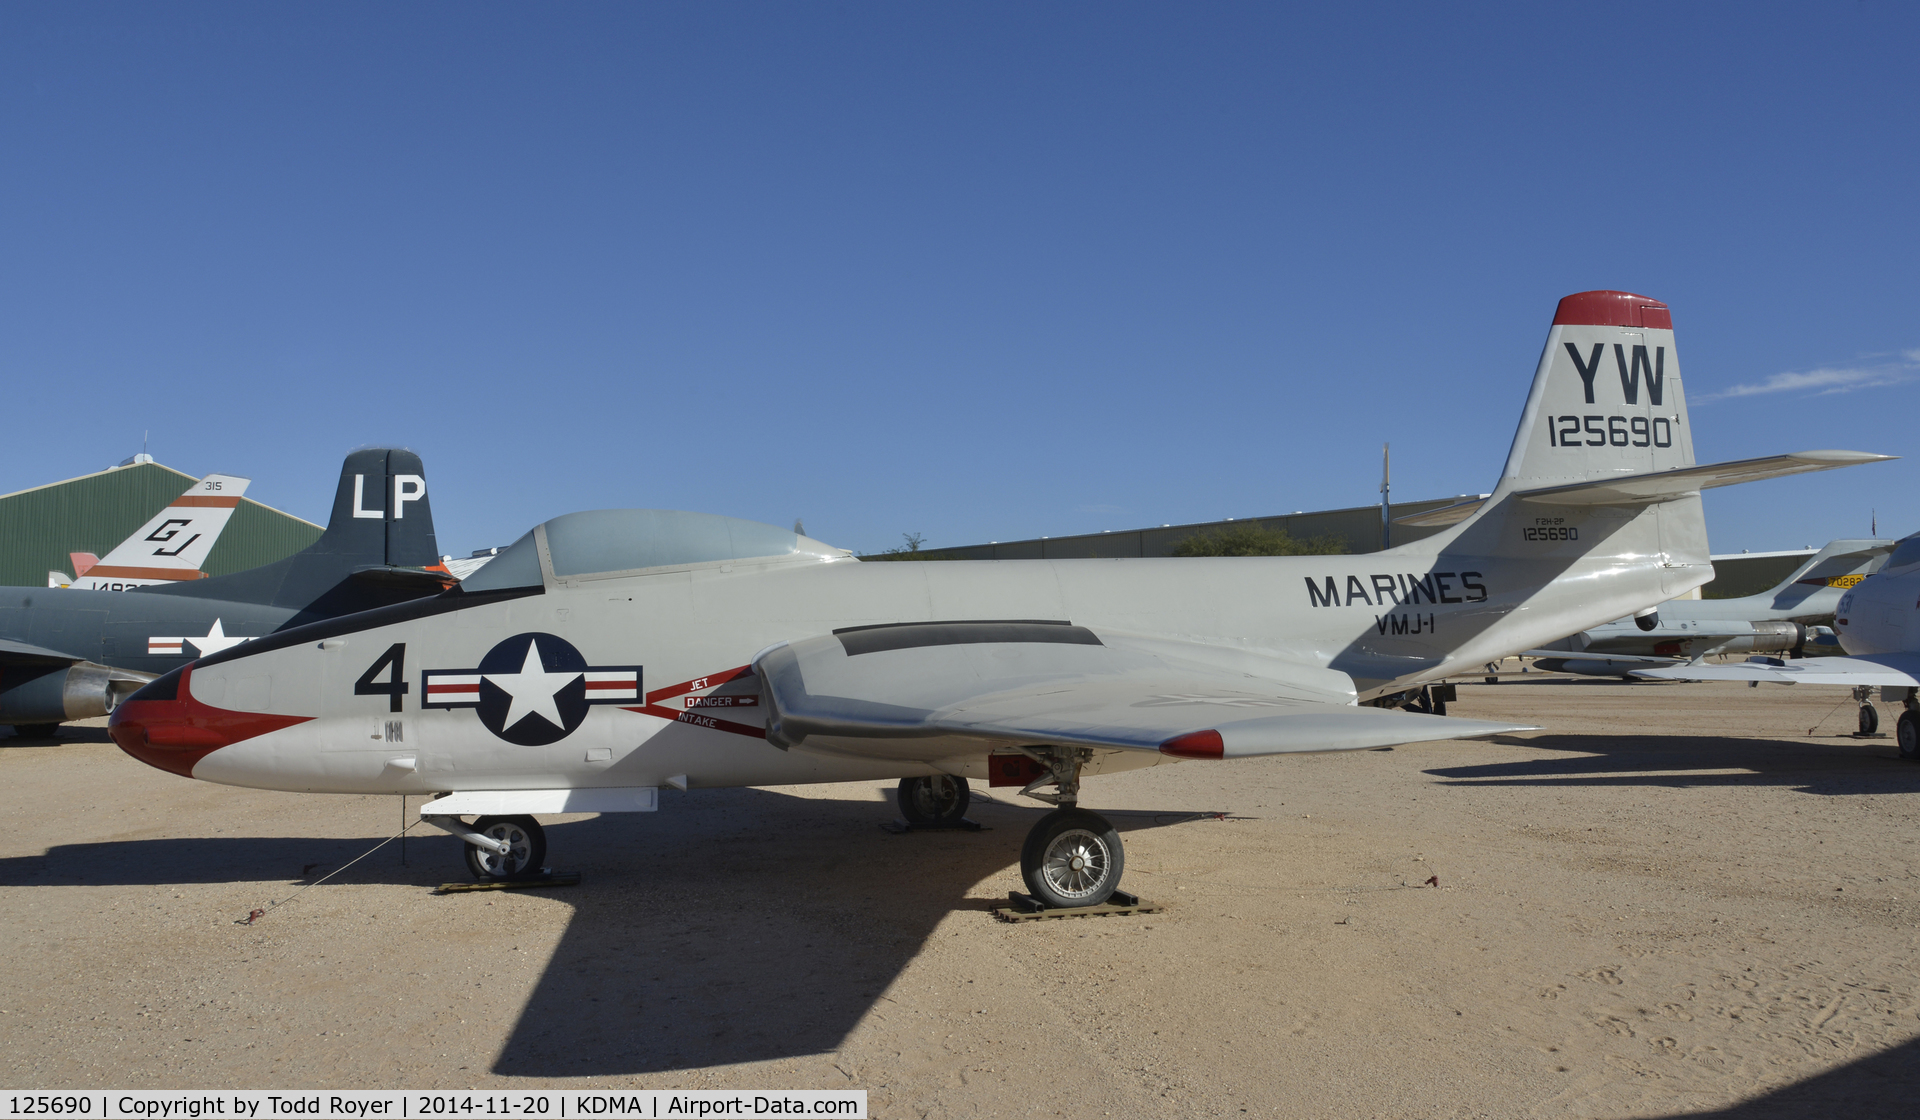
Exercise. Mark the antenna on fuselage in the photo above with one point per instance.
(1386, 485)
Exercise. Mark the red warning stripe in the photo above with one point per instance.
(204, 502)
(653, 708)
(110, 571)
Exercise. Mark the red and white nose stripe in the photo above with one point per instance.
(163, 726)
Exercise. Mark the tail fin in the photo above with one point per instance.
(173, 544)
(379, 547)
(1606, 399)
(1815, 587)
(381, 513)
(1597, 514)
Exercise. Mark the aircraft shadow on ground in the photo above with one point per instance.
(66, 736)
(733, 926)
(744, 925)
(1882, 1084)
(1833, 766)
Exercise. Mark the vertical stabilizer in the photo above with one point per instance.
(173, 544)
(1814, 589)
(378, 541)
(1606, 398)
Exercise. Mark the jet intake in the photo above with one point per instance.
(58, 693)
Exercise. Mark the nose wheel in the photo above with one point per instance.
(1907, 734)
(939, 801)
(526, 850)
(1072, 858)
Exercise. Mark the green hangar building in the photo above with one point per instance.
(95, 512)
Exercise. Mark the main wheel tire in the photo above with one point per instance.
(526, 848)
(1072, 858)
(35, 730)
(1869, 719)
(1907, 734)
(941, 799)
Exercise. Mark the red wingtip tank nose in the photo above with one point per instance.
(163, 726)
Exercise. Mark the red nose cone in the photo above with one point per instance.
(163, 726)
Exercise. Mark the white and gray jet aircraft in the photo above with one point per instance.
(1878, 623)
(1785, 619)
(609, 653)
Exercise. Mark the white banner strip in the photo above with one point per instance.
(396, 1104)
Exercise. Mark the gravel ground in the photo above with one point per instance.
(1675, 900)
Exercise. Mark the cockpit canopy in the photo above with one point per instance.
(1906, 553)
(603, 542)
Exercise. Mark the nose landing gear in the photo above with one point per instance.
(939, 801)
(526, 848)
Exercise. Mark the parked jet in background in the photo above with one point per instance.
(1878, 622)
(170, 547)
(1782, 620)
(67, 654)
(609, 653)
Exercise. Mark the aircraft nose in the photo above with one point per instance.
(164, 726)
(159, 725)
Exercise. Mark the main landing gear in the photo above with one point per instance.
(1072, 857)
(1906, 733)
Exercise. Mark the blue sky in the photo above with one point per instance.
(980, 271)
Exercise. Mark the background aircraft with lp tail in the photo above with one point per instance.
(68, 654)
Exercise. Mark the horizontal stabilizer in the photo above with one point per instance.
(1445, 515)
(421, 581)
(1660, 486)
(1878, 670)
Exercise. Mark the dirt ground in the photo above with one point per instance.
(1672, 901)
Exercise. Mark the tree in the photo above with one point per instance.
(910, 552)
(1250, 539)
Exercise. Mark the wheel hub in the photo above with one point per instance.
(1077, 863)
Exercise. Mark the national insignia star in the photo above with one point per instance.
(532, 689)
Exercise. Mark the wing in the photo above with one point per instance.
(1885, 670)
(928, 689)
(21, 653)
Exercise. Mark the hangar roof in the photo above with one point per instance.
(40, 525)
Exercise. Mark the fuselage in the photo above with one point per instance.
(392, 701)
(1882, 614)
(120, 628)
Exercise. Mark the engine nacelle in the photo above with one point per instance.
(1769, 637)
(57, 693)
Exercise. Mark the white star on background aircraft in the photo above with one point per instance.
(532, 689)
(215, 640)
(792, 661)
